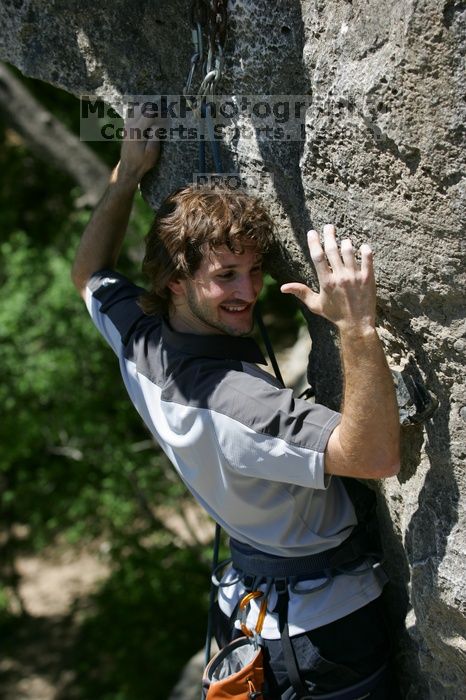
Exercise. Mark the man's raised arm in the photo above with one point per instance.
(102, 239)
(366, 444)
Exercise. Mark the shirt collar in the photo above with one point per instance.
(229, 347)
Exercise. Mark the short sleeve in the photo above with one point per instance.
(265, 432)
(112, 302)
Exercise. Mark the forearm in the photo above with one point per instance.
(367, 441)
(366, 444)
(103, 236)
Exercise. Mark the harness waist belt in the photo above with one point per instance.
(253, 562)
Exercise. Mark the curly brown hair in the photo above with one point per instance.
(191, 222)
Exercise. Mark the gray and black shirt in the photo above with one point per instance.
(249, 451)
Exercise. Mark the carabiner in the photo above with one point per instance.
(243, 607)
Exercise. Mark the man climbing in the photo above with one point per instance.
(265, 465)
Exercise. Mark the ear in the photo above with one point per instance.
(177, 287)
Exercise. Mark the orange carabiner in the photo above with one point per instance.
(245, 601)
(261, 616)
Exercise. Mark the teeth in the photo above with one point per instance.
(234, 308)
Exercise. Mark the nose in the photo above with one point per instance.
(248, 288)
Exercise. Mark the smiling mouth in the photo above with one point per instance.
(237, 309)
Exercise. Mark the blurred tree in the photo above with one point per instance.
(49, 139)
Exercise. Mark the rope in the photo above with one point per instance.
(268, 345)
(208, 641)
(213, 68)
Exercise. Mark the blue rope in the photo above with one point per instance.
(215, 556)
(206, 114)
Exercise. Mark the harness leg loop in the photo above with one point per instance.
(288, 651)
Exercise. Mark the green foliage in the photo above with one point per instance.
(68, 431)
(149, 617)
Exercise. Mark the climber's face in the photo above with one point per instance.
(220, 296)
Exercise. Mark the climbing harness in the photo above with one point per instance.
(288, 574)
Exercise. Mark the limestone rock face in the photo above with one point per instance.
(381, 159)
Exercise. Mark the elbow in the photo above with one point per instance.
(388, 465)
(381, 465)
(387, 461)
(78, 281)
(371, 460)
(389, 469)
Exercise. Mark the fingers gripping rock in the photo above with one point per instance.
(346, 289)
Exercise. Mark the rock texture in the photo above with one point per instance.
(381, 159)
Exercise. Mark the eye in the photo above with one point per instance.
(226, 275)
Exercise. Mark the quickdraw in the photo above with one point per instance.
(208, 20)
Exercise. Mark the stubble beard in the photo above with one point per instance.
(200, 313)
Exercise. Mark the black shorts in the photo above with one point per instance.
(330, 658)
